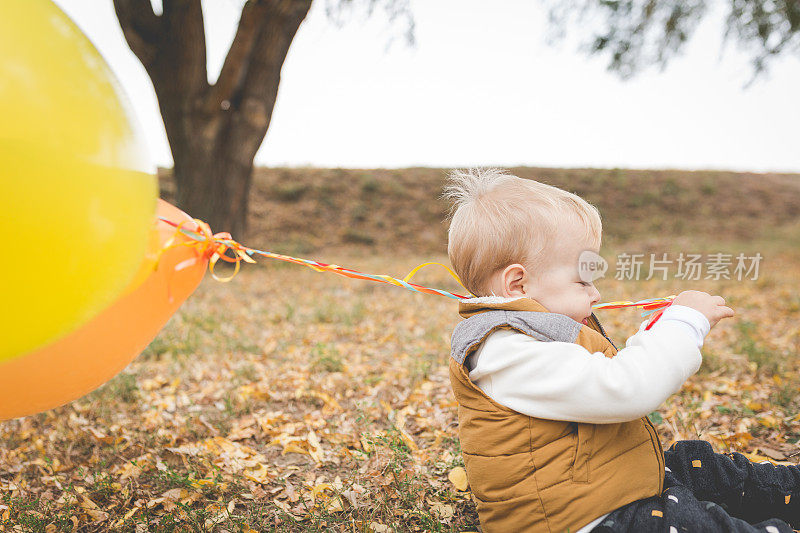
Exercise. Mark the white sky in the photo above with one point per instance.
(482, 87)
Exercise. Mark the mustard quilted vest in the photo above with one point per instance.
(530, 474)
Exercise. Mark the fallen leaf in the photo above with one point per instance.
(458, 477)
(442, 510)
(772, 453)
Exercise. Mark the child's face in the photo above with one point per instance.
(558, 286)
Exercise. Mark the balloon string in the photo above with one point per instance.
(213, 247)
(449, 271)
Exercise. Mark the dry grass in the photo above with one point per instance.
(291, 400)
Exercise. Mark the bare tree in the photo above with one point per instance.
(639, 33)
(215, 130)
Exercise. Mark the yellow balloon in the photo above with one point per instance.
(77, 194)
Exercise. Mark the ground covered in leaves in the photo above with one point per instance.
(292, 400)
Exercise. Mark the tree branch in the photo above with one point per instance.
(141, 28)
(252, 100)
(254, 15)
(262, 77)
(183, 46)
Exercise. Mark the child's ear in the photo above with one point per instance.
(515, 281)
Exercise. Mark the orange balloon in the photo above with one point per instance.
(91, 355)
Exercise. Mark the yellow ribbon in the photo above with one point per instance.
(407, 279)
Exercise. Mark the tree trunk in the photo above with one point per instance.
(215, 186)
(214, 131)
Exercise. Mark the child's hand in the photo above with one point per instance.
(713, 307)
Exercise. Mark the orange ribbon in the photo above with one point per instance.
(211, 247)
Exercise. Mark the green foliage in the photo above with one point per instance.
(635, 34)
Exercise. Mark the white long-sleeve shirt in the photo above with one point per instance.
(564, 381)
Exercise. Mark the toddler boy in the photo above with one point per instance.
(552, 417)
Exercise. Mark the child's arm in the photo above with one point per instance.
(564, 381)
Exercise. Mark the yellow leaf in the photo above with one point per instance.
(200, 483)
(130, 513)
(319, 490)
(259, 474)
(293, 447)
(755, 458)
(458, 477)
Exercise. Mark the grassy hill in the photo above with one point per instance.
(303, 210)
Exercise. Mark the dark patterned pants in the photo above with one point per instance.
(707, 491)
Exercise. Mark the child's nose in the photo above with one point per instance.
(595, 295)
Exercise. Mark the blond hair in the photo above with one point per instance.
(498, 219)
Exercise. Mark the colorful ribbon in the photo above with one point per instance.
(214, 246)
(652, 306)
